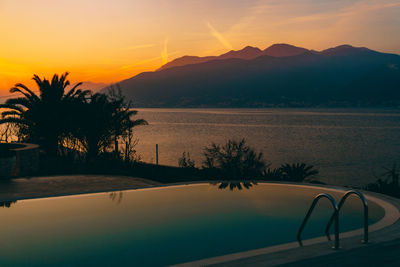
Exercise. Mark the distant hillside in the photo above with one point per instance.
(282, 75)
(94, 87)
(249, 52)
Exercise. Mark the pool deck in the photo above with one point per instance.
(384, 248)
(26, 188)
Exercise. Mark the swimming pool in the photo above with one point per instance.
(164, 225)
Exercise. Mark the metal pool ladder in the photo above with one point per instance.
(335, 215)
(365, 204)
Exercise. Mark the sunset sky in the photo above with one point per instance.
(110, 40)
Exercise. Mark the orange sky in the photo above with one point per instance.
(110, 40)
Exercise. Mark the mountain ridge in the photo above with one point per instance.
(339, 76)
(248, 52)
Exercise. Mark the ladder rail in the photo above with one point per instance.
(335, 217)
(341, 203)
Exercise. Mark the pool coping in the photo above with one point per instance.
(312, 247)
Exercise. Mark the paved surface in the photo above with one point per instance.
(383, 254)
(25, 188)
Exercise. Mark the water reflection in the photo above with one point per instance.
(233, 185)
(116, 197)
(7, 204)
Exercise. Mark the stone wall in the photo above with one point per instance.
(18, 159)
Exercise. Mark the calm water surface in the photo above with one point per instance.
(162, 226)
(348, 146)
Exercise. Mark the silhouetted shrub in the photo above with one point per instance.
(7, 204)
(297, 172)
(273, 174)
(232, 185)
(185, 161)
(389, 185)
(234, 160)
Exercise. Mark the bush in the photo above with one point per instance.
(186, 161)
(232, 185)
(389, 185)
(273, 174)
(234, 160)
(297, 172)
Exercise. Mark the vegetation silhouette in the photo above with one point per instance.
(389, 185)
(232, 185)
(273, 174)
(81, 132)
(72, 125)
(234, 160)
(297, 172)
(185, 161)
(7, 204)
(45, 118)
(116, 197)
(105, 119)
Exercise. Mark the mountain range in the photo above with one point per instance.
(94, 87)
(280, 75)
(249, 52)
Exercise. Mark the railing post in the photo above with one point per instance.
(365, 241)
(156, 154)
(336, 246)
(342, 201)
(335, 217)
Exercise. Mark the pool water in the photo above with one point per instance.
(163, 226)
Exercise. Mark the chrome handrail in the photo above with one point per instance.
(335, 216)
(365, 204)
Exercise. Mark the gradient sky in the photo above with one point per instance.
(110, 40)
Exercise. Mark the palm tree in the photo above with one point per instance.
(43, 118)
(297, 172)
(392, 174)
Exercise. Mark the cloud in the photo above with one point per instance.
(164, 53)
(138, 63)
(350, 11)
(219, 36)
(134, 47)
(253, 12)
(142, 62)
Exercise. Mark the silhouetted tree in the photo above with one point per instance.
(104, 119)
(43, 118)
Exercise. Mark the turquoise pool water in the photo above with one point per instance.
(162, 226)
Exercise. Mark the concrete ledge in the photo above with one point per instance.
(22, 159)
(51, 186)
